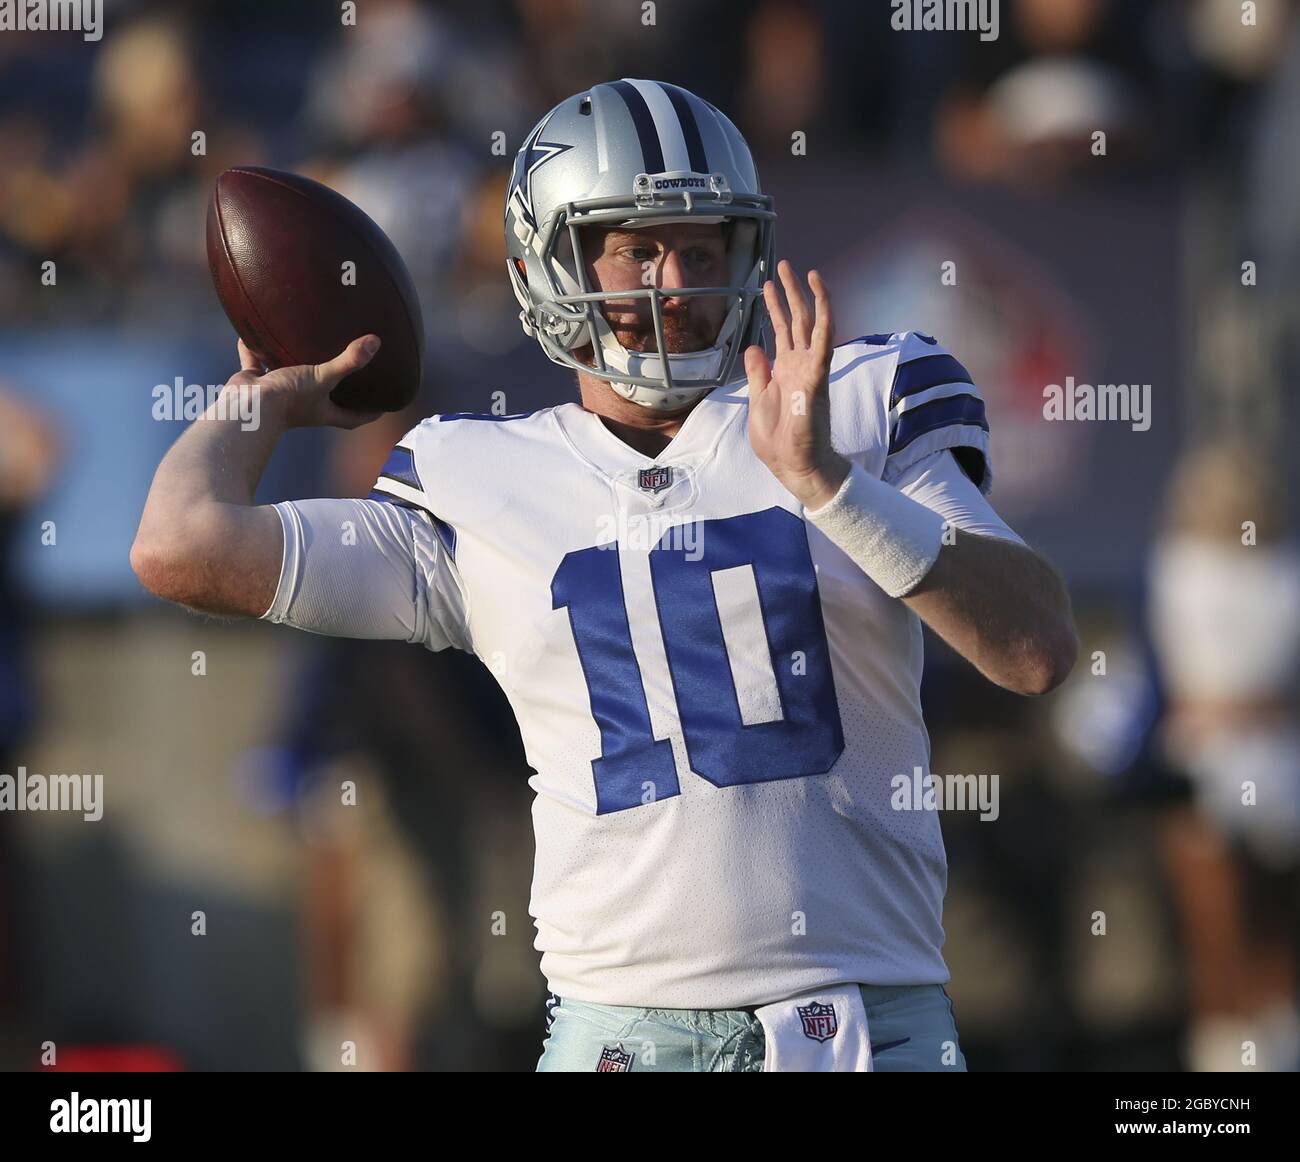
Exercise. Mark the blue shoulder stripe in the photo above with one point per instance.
(953, 410)
(482, 416)
(925, 373)
(446, 534)
(400, 466)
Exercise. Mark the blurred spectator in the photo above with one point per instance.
(380, 106)
(785, 87)
(1225, 616)
(1024, 108)
(117, 212)
(28, 453)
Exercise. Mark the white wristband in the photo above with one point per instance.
(892, 538)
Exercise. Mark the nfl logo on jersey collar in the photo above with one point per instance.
(656, 479)
(656, 488)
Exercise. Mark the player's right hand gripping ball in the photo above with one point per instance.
(279, 246)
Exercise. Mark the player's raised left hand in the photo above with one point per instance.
(789, 397)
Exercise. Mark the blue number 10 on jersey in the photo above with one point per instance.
(801, 735)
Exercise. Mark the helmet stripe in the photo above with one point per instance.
(672, 141)
(652, 156)
(690, 128)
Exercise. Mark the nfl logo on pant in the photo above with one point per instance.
(818, 1021)
(614, 1059)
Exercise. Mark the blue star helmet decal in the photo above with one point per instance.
(534, 153)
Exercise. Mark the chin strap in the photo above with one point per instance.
(706, 364)
(658, 399)
(687, 365)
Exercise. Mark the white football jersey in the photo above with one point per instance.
(713, 696)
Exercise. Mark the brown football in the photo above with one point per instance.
(277, 248)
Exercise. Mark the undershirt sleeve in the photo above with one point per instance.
(367, 569)
(938, 482)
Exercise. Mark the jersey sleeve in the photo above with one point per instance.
(367, 569)
(937, 482)
(932, 404)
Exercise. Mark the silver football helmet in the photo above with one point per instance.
(635, 154)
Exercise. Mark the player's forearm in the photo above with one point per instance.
(1003, 608)
(220, 460)
(997, 603)
(201, 542)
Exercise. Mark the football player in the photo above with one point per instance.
(701, 587)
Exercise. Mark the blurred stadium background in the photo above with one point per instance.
(402, 924)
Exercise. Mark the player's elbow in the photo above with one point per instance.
(219, 560)
(171, 564)
(159, 567)
(1046, 662)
